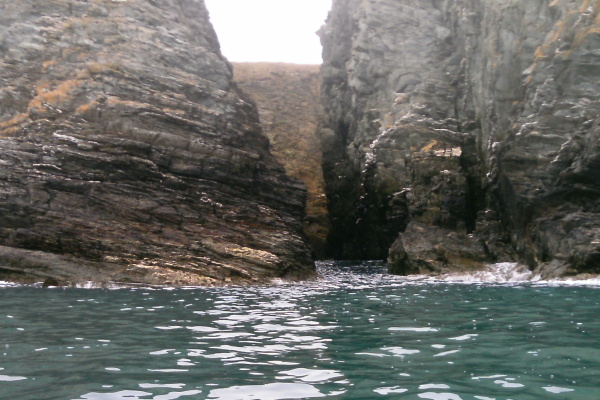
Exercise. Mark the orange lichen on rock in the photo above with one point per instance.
(126, 104)
(48, 63)
(542, 52)
(558, 31)
(86, 107)
(11, 126)
(584, 6)
(429, 146)
(58, 98)
(99, 68)
(585, 34)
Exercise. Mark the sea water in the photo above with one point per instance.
(357, 333)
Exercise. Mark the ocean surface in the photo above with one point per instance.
(357, 333)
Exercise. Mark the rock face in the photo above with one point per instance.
(287, 96)
(470, 124)
(127, 154)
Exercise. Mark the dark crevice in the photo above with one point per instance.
(471, 203)
(343, 131)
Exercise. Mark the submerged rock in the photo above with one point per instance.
(127, 153)
(476, 118)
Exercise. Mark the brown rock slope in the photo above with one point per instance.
(287, 96)
(127, 154)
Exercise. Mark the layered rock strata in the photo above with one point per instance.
(464, 132)
(287, 96)
(127, 154)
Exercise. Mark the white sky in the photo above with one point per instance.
(269, 30)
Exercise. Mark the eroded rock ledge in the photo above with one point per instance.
(127, 154)
(464, 132)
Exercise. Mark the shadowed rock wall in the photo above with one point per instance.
(127, 154)
(470, 127)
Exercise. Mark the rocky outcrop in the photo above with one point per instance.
(287, 96)
(471, 119)
(127, 154)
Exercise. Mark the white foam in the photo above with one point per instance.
(505, 273)
(574, 282)
(102, 285)
(501, 273)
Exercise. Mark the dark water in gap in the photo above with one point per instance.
(356, 334)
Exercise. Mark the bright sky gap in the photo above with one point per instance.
(269, 30)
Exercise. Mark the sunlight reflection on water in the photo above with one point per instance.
(356, 333)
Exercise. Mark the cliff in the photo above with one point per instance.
(287, 96)
(127, 154)
(464, 132)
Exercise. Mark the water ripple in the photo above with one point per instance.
(356, 333)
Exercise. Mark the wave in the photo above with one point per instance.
(508, 272)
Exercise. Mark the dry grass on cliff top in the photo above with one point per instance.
(249, 70)
(287, 96)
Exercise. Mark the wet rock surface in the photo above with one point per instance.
(464, 118)
(287, 96)
(127, 154)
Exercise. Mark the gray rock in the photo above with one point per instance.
(467, 106)
(127, 154)
(426, 249)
